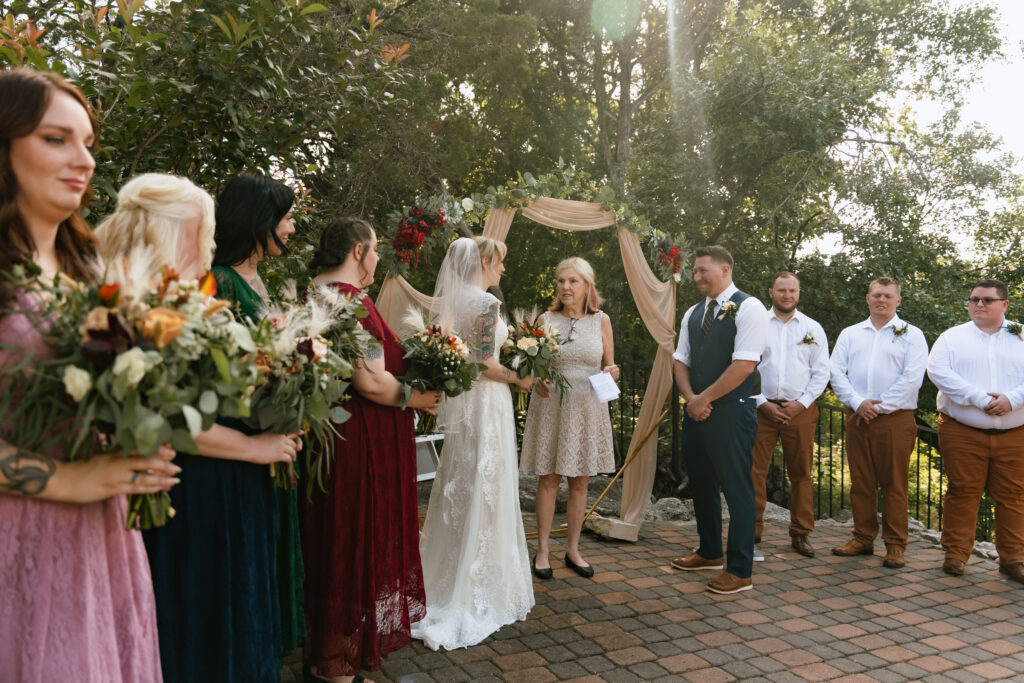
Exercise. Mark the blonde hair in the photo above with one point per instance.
(592, 300)
(488, 246)
(886, 282)
(152, 210)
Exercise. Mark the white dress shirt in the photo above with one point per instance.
(966, 364)
(877, 364)
(790, 369)
(751, 328)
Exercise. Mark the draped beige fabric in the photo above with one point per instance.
(396, 299)
(654, 299)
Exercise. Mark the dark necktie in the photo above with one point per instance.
(709, 315)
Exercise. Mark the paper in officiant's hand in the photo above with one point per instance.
(604, 386)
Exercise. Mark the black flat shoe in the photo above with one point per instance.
(542, 574)
(585, 572)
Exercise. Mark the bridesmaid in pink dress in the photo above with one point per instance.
(76, 600)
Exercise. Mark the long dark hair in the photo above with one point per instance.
(248, 211)
(24, 98)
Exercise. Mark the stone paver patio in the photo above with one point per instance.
(826, 618)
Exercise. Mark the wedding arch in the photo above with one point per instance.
(655, 300)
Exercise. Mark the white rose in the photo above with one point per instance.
(467, 204)
(132, 364)
(526, 343)
(77, 382)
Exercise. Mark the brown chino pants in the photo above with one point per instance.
(879, 456)
(798, 450)
(975, 461)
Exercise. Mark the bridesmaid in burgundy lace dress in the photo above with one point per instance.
(76, 600)
(364, 583)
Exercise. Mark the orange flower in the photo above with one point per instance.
(109, 294)
(162, 326)
(208, 285)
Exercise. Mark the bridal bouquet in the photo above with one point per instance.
(530, 350)
(135, 365)
(437, 360)
(305, 358)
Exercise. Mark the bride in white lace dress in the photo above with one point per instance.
(476, 569)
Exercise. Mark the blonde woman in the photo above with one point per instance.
(167, 213)
(571, 435)
(476, 568)
(213, 564)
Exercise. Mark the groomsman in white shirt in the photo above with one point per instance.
(877, 369)
(794, 371)
(979, 370)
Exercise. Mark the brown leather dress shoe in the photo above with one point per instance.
(803, 546)
(729, 583)
(893, 557)
(953, 567)
(1015, 571)
(854, 547)
(694, 562)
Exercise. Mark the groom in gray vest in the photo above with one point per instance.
(720, 345)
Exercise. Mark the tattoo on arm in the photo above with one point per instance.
(374, 351)
(485, 324)
(26, 473)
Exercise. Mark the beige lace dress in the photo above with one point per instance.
(572, 437)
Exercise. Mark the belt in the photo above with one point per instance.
(776, 401)
(979, 429)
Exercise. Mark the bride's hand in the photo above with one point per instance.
(524, 383)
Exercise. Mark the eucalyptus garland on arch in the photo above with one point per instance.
(399, 255)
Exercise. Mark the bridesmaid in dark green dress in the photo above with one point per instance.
(254, 220)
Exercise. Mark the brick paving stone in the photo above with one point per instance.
(648, 671)
(794, 657)
(567, 670)
(932, 664)
(742, 670)
(450, 674)
(597, 664)
(990, 671)
(817, 672)
(709, 676)
(533, 675)
(908, 670)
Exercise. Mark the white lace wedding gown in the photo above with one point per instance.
(476, 569)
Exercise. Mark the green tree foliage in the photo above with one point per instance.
(209, 89)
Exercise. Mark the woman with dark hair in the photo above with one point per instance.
(75, 586)
(254, 220)
(360, 538)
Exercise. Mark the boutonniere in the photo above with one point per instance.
(899, 331)
(807, 340)
(1016, 329)
(729, 308)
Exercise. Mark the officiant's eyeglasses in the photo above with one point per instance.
(983, 300)
(572, 328)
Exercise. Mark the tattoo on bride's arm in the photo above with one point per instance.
(26, 473)
(485, 324)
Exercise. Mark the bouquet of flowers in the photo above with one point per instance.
(669, 253)
(414, 227)
(135, 366)
(529, 350)
(305, 358)
(437, 361)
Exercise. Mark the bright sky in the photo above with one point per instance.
(997, 98)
